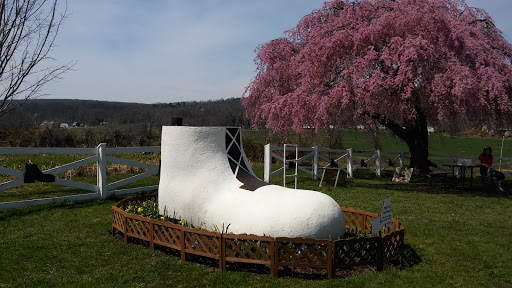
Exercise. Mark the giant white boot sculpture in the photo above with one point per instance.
(206, 180)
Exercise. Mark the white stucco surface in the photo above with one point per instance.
(197, 184)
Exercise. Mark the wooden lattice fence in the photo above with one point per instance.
(342, 254)
(304, 252)
(252, 249)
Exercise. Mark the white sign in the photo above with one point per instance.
(385, 218)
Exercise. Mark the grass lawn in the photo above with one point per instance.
(454, 239)
(438, 143)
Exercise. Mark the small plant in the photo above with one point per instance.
(356, 232)
(216, 229)
(302, 251)
(149, 208)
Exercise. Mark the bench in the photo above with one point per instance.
(486, 178)
(439, 173)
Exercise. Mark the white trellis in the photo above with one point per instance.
(100, 156)
(348, 160)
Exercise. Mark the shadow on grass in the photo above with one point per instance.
(423, 184)
(410, 257)
(10, 213)
(33, 192)
(65, 204)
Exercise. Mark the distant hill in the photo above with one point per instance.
(94, 113)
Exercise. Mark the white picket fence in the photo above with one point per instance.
(100, 156)
(350, 160)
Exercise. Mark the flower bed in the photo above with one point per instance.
(330, 255)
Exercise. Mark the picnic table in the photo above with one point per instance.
(463, 167)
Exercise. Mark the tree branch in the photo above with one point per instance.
(391, 125)
(27, 33)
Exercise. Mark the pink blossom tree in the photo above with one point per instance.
(404, 64)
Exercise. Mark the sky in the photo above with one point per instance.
(164, 51)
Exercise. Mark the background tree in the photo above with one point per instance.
(404, 64)
(28, 29)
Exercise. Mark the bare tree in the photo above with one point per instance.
(28, 29)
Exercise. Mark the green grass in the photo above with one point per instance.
(462, 239)
(40, 190)
(438, 144)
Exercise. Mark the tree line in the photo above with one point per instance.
(37, 122)
(35, 112)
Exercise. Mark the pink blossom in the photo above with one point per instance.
(399, 59)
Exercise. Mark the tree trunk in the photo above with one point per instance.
(415, 135)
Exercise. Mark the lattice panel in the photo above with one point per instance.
(248, 249)
(392, 244)
(352, 220)
(117, 220)
(166, 236)
(138, 229)
(356, 251)
(202, 244)
(293, 253)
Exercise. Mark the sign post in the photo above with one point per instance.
(385, 218)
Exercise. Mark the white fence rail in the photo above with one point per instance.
(350, 160)
(347, 159)
(99, 156)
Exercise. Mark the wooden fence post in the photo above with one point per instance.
(273, 266)
(362, 224)
(267, 163)
(222, 258)
(334, 257)
(182, 244)
(151, 235)
(330, 261)
(276, 259)
(102, 170)
(380, 254)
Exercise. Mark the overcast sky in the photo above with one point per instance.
(177, 50)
